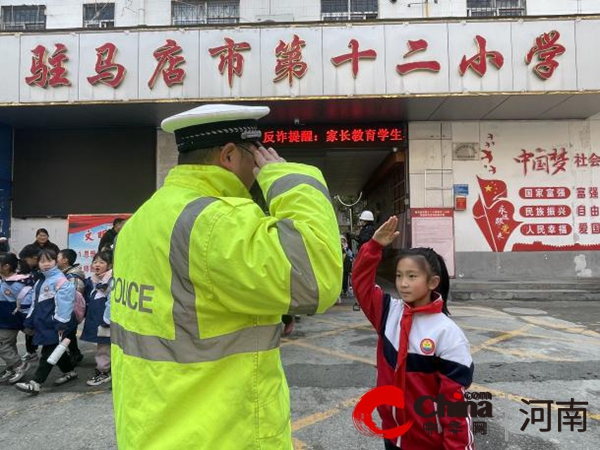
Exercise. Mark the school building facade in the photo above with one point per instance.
(483, 134)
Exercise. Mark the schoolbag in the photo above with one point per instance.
(79, 308)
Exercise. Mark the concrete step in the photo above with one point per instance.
(583, 289)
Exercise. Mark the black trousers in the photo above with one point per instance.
(29, 344)
(73, 347)
(390, 446)
(44, 367)
(345, 282)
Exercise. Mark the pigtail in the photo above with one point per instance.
(444, 287)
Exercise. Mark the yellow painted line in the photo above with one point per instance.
(336, 353)
(580, 329)
(517, 398)
(539, 336)
(498, 339)
(299, 445)
(529, 354)
(321, 416)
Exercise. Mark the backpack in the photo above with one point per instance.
(79, 308)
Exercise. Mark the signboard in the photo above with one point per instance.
(536, 188)
(323, 136)
(461, 190)
(434, 227)
(84, 234)
(263, 61)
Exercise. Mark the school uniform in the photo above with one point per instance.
(51, 312)
(429, 357)
(15, 300)
(96, 301)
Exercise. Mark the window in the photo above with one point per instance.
(349, 9)
(99, 15)
(22, 18)
(487, 8)
(193, 12)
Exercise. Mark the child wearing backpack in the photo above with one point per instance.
(96, 302)
(15, 299)
(66, 262)
(50, 319)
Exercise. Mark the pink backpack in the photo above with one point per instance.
(79, 308)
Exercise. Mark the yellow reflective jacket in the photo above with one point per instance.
(201, 279)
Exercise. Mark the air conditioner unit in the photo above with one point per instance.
(107, 23)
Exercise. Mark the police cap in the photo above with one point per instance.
(210, 125)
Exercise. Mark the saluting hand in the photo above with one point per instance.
(386, 233)
(264, 156)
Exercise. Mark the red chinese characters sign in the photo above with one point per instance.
(50, 72)
(289, 60)
(354, 56)
(231, 58)
(49, 68)
(337, 136)
(169, 61)
(108, 72)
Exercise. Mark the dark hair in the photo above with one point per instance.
(117, 221)
(104, 255)
(434, 265)
(48, 254)
(42, 230)
(10, 259)
(29, 251)
(70, 254)
(4, 247)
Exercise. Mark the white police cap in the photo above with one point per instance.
(215, 124)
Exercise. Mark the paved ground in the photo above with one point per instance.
(527, 350)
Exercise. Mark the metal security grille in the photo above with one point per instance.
(500, 8)
(193, 12)
(349, 9)
(99, 15)
(23, 18)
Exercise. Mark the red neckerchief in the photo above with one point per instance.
(405, 326)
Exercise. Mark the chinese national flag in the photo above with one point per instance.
(492, 190)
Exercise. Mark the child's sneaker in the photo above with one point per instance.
(6, 375)
(99, 378)
(18, 372)
(65, 378)
(31, 388)
(29, 357)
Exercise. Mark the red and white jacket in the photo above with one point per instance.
(438, 362)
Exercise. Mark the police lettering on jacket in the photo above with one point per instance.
(134, 295)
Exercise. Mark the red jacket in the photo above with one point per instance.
(438, 362)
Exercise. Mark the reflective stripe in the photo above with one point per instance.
(187, 347)
(304, 291)
(186, 351)
(288, 182)
(185, 316)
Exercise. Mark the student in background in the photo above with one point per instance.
(50, 319)
(74, 273)
(15, 297)
(28, 265)
(94, 316)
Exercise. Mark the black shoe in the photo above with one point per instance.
(356, 307)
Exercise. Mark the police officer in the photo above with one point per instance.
(201, 280)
